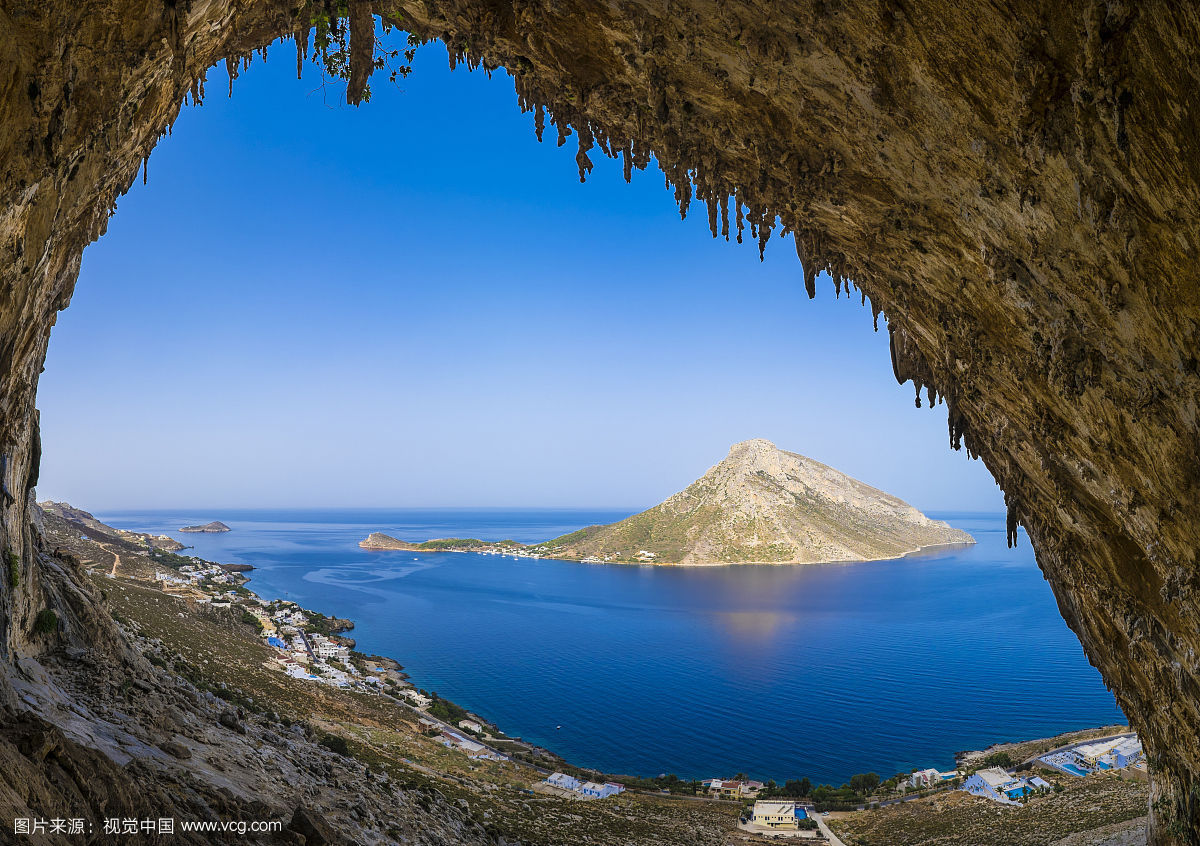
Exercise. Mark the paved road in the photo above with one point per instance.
(829, 835)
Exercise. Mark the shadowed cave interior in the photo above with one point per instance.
(1016, 188)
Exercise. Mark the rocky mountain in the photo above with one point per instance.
(215, 527)
(764, 505)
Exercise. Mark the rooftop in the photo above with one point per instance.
(995, 777)
(774, 808)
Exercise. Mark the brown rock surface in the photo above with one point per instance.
(1017, 184)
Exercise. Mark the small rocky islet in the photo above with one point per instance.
(215, 527)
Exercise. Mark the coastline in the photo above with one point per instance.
(911, 553)
(517, 554)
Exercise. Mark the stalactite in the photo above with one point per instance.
(725, 215)
(145, 167)
(740, 220)
(627, 162)
(683, 194)
(539, 121)
(35, 457)
(585, 144)
(806, 266)
(362, 50)
(957, 426)
(8, 497)
(897, 371)
(232, 69)
(301, 36)
(1013, 519)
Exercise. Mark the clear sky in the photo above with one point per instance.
(413, 303)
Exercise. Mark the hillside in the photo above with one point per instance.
(763, 505)
(86, 523)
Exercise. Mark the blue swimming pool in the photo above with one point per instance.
(801, 814)
(1074, 770)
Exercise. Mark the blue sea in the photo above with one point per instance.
(778, 672)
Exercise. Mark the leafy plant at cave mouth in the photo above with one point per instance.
(332, 50)
(45, 623)
(14, 568)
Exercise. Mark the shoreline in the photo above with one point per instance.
(341, 624)
(375, 656)
(911, 553)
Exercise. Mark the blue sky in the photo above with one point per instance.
(413, 303)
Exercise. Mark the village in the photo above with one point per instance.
(999, 781)
(307, 647)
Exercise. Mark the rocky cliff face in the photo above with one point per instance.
(1018, 185)
(767, 506)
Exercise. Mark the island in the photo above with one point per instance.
(759, 505)
(380, 541)
(215, 527)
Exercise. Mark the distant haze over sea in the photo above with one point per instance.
(777, 671)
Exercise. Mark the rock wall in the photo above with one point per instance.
(1017, 184)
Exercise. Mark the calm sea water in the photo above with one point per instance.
(778, 672)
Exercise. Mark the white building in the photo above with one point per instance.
(564, 781)
(329, 649)
(925, 778)
(781, 816)
(470, 725)
(418, 699)
(998, 785)
(1127, 752)
(594, 790)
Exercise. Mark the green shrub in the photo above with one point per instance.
(45, 623)
(337, 744)
(14, 568)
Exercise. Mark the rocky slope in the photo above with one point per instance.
(763, 505)
(1017, 184)
(88, 523)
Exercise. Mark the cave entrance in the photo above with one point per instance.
(447, 317)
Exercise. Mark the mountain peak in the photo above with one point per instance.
(762, 504)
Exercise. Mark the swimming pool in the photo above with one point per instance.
(1071, 768)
